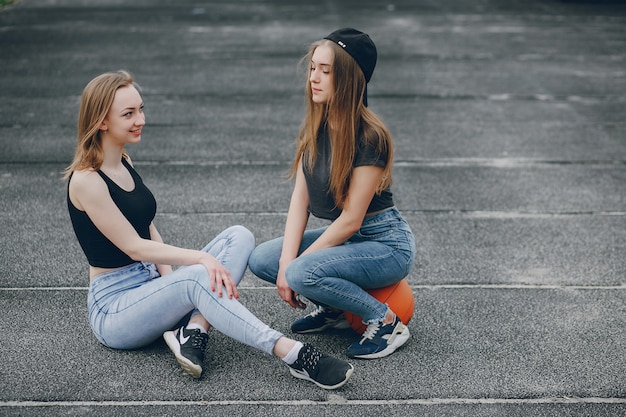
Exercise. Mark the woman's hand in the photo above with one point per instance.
(219, 277)
(286, 293)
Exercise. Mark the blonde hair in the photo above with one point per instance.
(347, 117)
(96, 101)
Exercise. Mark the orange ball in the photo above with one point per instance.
(399, 297)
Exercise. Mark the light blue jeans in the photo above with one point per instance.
(381, 253)
(132, 306)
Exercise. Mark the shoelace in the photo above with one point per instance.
(197, 341)
(310, 357)
(371, 330)
(317, 311)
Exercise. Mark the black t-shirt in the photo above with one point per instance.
(321, 201)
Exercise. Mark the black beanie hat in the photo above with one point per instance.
(359, 46)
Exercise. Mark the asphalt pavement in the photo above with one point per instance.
(508, 121)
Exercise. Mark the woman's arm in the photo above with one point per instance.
(297, 218)
(156, 236)
(89, 193)
(363, 183)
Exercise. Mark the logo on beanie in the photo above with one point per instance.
(359, 46)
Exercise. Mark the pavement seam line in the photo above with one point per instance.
(415, 287)
(415, 401)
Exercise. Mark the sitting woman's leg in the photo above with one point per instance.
(132, 307)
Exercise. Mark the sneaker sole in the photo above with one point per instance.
(397, 340)
(188, 366)
(343, 324)
(304, 376)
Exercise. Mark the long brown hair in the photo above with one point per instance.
(96, 101)
(347, 117)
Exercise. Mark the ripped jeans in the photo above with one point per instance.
(381, 253)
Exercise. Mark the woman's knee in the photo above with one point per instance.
(298, 279)
(263, 259)
(243, 236)
(256, 261)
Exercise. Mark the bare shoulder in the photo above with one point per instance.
(85, 185)
(84, 179)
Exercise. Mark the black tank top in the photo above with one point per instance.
(138, 206)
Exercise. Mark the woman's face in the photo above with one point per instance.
(125, 118)
(320, 75)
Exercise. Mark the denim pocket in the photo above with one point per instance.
(376, 231)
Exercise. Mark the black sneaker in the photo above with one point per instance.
(323, 370)
(320, 319)
(380, 340)
(188, 346)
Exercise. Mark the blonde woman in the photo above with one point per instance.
(134, 294)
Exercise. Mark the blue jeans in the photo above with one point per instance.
(381, 253)
(132, 306)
